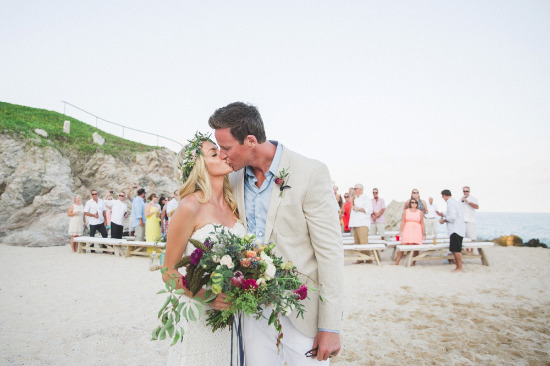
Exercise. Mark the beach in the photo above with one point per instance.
(60, 308)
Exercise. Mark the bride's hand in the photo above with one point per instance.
(219, 302)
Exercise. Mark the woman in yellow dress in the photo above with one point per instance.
(152, 219)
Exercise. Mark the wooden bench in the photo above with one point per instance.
(427, 251)
(135, 247)
(429, 240)
(99, 245)
(363, 252)
(119, 247)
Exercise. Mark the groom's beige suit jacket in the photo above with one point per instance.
(304, 225)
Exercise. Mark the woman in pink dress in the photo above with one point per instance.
(412, 228)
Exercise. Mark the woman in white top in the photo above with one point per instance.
(76, 221)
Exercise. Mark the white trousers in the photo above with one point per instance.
(260, 346)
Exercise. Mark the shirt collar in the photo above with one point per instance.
(274, 163)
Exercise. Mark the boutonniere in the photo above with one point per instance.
(280, 180)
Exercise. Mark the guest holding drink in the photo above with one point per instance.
(76, 221)
(412, 230)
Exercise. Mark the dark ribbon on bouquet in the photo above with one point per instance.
(237, 328)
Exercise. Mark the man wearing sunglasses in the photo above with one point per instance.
(95, 214)
(119, 212)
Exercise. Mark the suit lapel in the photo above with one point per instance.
(275, 200)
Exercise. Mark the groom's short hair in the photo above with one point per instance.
(241, 119)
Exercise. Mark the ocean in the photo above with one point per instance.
(491, 225)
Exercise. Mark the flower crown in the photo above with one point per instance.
(188, 155)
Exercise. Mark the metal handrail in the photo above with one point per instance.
(117, 124)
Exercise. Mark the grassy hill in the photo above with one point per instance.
(20, 122)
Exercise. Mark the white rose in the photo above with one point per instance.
(270, 271)
(266, 258)
(216, 259)
(226, 261)
(261, 281)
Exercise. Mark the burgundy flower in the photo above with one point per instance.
(184, 282)
(237, 279)
(207, 243)
(250, 284)
(196, 257)
(279, 181)
(301, 292)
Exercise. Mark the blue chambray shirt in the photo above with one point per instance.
(256, 200)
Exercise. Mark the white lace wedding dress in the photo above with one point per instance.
(200, 346)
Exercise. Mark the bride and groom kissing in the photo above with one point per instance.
(253, 185)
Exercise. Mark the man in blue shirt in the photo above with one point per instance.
(287, 199)
(138, 214)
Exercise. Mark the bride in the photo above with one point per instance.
(206, 200)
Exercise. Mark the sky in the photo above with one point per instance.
(395, 95)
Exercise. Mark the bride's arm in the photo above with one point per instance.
(181, 228)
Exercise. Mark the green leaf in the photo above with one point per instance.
(162, 335)
(176, 338)
(163, 307)
(162, 292)
(199, 309)
(192, 314)
(155, 333)
(179, 291)
(171, 331)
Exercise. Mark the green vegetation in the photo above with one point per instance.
(20, 122)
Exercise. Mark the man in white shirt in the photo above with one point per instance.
(119, 212)
(469, 207)
(360, 216)
(172, 205)
(430, 218)
(455, 227)
(96, 216)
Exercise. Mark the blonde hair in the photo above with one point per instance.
(199, 180)
(77, 196)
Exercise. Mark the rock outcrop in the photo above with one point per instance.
(38, 184)
(509, 240)
(393, 215)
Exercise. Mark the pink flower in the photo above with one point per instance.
(184, 282)
(237, 279)
(279, 181)
(301, 292)
(250, 284)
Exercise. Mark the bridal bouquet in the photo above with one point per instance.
(251, 276)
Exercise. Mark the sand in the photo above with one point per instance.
(60, 308)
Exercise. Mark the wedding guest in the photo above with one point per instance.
(152, 219)
(163, 216)
(360, 216)
(108, 200)
(171, 208)
(340, 204)
(95, 212)
(455, 227)
(346, 210)
(412, 231)
(431, 218)
(469, 207)
(377, 217)
(76, 221)
(421, 203)
(120, 209)
(138, 214)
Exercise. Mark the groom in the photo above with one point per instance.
(299, 214)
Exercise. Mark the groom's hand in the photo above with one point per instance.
(328, 343)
